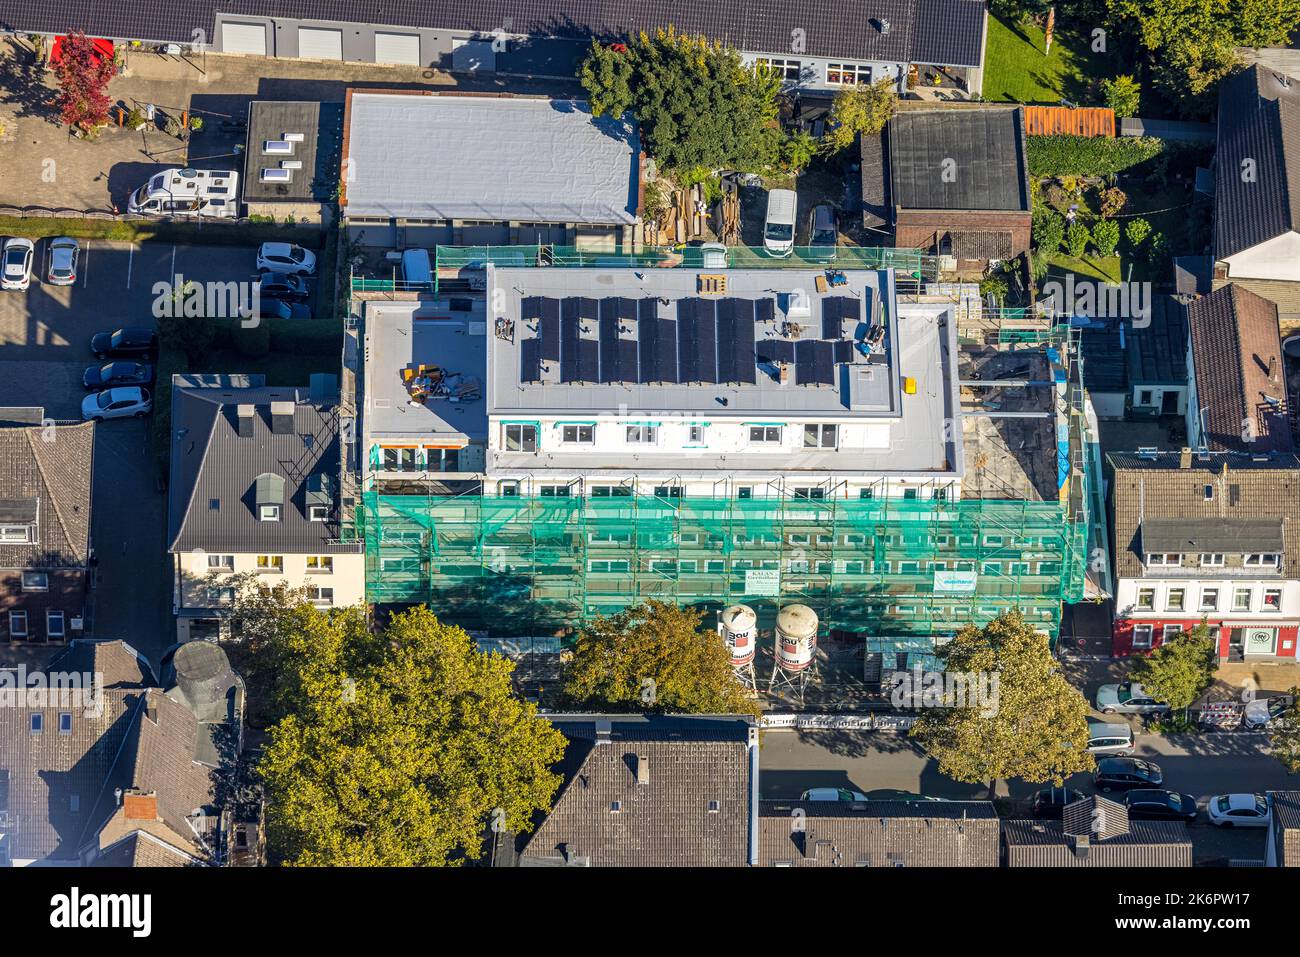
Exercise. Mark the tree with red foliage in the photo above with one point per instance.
(83, 73)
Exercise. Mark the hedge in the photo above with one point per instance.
(170, 361)
(313, 337)
(1089, 155)
(140, 230)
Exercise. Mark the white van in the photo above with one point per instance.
(416, 268)
(188, 192)
(778, 230)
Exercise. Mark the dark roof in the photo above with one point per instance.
(321, 125)
(1096, 832)
(1237, 355)
(1232, 536)
(1244, 493)
(1102, 348)
(692, 808)
(875, 179)
(878, 834)
(944, 32)
(1259, 121)
(1286, 826)
(1157, 351)
(1193, 275)
(958, 160)
(120, 665)
(212, 462)
(47, 470)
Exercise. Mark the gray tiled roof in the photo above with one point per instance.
(120, 665)
(665, 820)
(139, 849)
(1259, 121)
(1286, 826)
(212, 462)
(945, 32)
(1143, 844)
(52, 467)
(878, 834)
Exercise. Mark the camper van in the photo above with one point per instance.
(188, 192)
(778, 230)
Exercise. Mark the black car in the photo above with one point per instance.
(282, 309)
(1049, 803)
(1121, 774)
(1160, 805)
(117, 373)
(128, 343)
(289, 288)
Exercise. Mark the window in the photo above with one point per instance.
(642, 435)
(1212, 559)
(270, 563)
(221, 562)
(607, 565)
(220, 596)
(323, 564)
(804, 492)
(1208, 492)
(765, 435)
(1241, 599)
(819, 436)
(37, 723)
(1166, 559)
(866, 493)
(611, 491)
(508, 489)
(521, 438)
(320, 596)
(847, 74)
(318, 513)
(17, 624)
(65, 722)
(269, 513)
(15, 533)
(1175, 599)
(786, 69)
(940, 494)
(578, 434)
(555, 491)
(54, 623)
(909, 494)
(1142, 636)
(1171, 631)
(668, 491)
(1146, 599)
(695, 434)
(745, 491)
(1145, 397)
(1209, 599)
(1264, 560)
(399, 459)
(35, 581)
(1272, 599)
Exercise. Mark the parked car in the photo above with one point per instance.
(117, 373)
(129, 342)
(832, 794)
(778, 228)
(1050, 803)
(1121, 774)
(18, 256)
(286, 259)
(1159, 805)
(1263, 713)
(120, 403)
(1128, 698)
(280, 286)
(823, 232)
(279, 309)
(62, 270)
(1239, 810)
(1108, 738)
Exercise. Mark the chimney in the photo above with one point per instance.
(1185, 458)
(139, 806)
(244, 413)
(1081, 843)
(1272, 368)
(642, 769)
(282, 418)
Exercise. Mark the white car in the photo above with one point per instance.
(1239, 810)
(286, 259)
(832, 794)
(120, 403)
(63, 261)
(18, 255)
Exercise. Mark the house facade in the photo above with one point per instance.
(1211, 537)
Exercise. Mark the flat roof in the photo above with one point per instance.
(318, 124)
(492, 158)
(405, 335)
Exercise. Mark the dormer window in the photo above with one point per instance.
(18, 520)
(318, 513)
(268, 497)
(17, 534)
(319, 497)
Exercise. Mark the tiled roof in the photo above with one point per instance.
(52, 467)
(1242, 490)
(1237, 355)
(1141, 844)
(878, 834)
(649, 791)
(1286, 826)
(120, 665)
(943, 32)
(139, 849)
(1259, 123)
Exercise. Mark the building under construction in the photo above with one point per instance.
(540, 443)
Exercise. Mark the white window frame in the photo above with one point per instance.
(1262, 560)
(316, 595)
(695, 434)
(318, 513)
(767, 434)
(18, 617)
(270, 567)
(784, 67)
(1206, 606)
(221, 563)
(43, 577)
(579, 431)
(1182, 599)
(324, 564)
(268, 513)
(219, 595)
(641, 435)
(824, 431)
(1149, 605)
(15, 534)
(1265, 606)
(1170, 631)
(1162, 560)
(51, 616)
(1212, 560)
(1250, 599)
(522, 439)
(1148, 631)
(861, 74)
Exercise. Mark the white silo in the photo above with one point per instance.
(738, 626)
(796, 647)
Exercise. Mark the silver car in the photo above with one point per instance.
(63, 261)
(1128, 698)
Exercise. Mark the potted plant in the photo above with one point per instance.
(196, 124)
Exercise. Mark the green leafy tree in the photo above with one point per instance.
(1076, 239)
(1284, 739)
(859, 110)
(1039, 730)
(396, 748)
(1157, 247)
(1048, 230)
(1105, 236)
(1180, 670)
(1123, 94)
(1136, 231)
(653, 657)
(797, 151)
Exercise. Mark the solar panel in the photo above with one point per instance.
(666, 346)
(588, 309)
(813, 365)
(843, 350)
(765, 310)
(569, 325)
(530, 360)
(823, 363)
(696, 341)
(588, 360)
(774, 350)
(831, 327)
(627, 361)
(647, 338)
(647, 309)
(741, 341)
(531, 308)
(549, 330)
(851, 308)
(626, 309)
(610, 370)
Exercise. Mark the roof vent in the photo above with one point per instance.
(293, 137)
(642, 769)
(282, 418)
(244, 414)
(884, 27)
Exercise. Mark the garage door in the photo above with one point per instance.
(317, 44)
(243, 38)
(397, 48)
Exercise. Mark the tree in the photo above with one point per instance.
(1180, 669)
(1136, 231)
(1039, 730)
(653, 657)
(1105, 236)
(396, 748)
(1157, 247)
(1123, 95)
(1048, 230)
(797, 151)
(1113, 200)
(83, 73)
(1284, 739)
(859, 110)
(1076, 239)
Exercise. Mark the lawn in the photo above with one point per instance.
(1018, 72)
(1104, 269)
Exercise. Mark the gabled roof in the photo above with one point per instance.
(48, 469)
(211, 462)
(648, 791)
(1096, 832)
(1237, 357)
(878, 834)
(942, 32)
(1286, 826)
(1259, 125)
